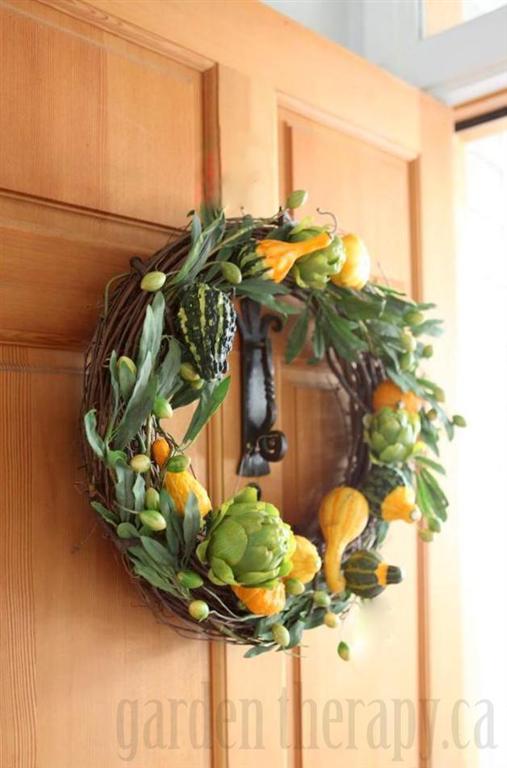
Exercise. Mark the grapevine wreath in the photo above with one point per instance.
(238, 571)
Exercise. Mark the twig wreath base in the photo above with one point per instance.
(238, 572)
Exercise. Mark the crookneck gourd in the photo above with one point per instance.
(367, 575)
(343, 516)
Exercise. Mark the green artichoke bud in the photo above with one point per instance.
(248, 543)
(140, 462)
(199, 610)
(127, 373)
(153, 281)
(153, 520)
(152, 499)
(281, 635)
(162, 408)
(314, 270)
(392, 434)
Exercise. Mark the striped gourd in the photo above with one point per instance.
(367, 575)
(390, 495)
(207, 323)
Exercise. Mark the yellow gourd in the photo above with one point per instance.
(305, 560)
(343, 516)
(355, 273)
(262, 601)
(400, 505)
(179, 485)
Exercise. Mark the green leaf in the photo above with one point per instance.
(296, 633)
(315, 618)
(127, 531)
(430, 463)
(158, 552)
(200, 250)
(212, 396)
(297, 337)
(428, 328)
(184, 396)
(150, 575)
(151, 336)
(168, 373)
(318, 343)
(139, 490)
(191, 525)
(124, 488)
(257, 650)
(174, 530)
(95, 442)
(115, 385)
(340, 334)
(104, 512)
(115, 457)
(139, 406)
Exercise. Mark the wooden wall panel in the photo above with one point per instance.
(76, 639)
(370, 191)
(367, 187)
(92, 121)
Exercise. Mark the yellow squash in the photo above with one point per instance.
(343, 516)
(400, 505)
(355, 273)
(305, 560)
(262, 601)
(179, 485)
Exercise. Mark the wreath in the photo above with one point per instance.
(238, 571)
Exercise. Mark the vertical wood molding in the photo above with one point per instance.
(17, 627)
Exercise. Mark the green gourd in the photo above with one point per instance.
(207, 324)
(367, 575)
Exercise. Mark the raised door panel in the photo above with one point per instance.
(369, 190)
(88, 675)
(93, 121)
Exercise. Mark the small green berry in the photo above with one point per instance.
(331, 620)
(162, 408)
(294, 587)
(189, 579)
(153, 281)
(281, 635)
(427, 351)
(140, 463)
(459, 421)
(178, 463)
(432, 415)
(322, 599)
(343, 651)
(199, 610)
(152, 499)
(414, 318)
(231, 272)
(153, 520)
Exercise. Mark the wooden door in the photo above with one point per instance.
(117, 117)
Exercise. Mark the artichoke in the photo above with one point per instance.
(392, 434)
(314, 270)
(248, 543)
